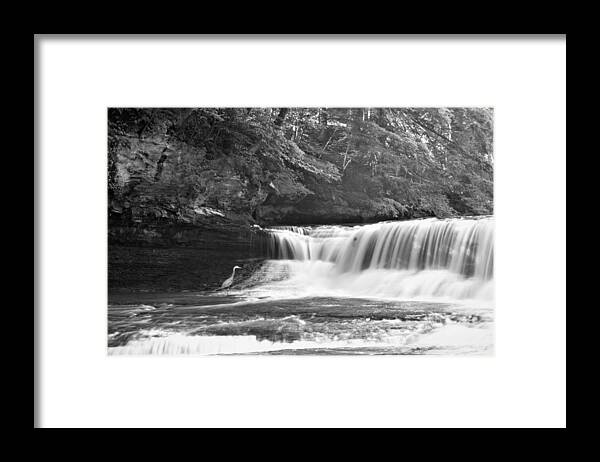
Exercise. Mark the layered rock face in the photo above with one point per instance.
(161, 257)
(174, 182)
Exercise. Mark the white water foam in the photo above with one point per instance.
(452, 338)
(427, 259)
(298, 279)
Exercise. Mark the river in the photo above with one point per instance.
(400, 287)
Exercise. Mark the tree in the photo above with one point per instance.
(281, 116)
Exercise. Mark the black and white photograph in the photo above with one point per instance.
(300, 231)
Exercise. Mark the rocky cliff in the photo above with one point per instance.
(186, 165)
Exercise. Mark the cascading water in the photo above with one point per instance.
(407, 287)
(450, 258)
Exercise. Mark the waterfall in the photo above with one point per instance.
(446, 257)
(305, 231)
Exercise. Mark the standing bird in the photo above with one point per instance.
(227, 282)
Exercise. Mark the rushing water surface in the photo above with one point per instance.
(406, 287)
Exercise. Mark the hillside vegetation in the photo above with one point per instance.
(297, 165)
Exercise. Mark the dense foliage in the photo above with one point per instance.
(299, 164)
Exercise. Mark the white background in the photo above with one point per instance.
(524, 384)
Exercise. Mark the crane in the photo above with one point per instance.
(227, 282)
